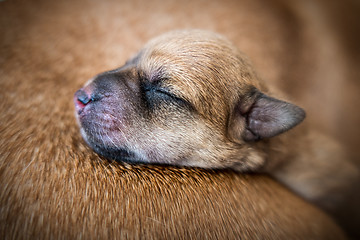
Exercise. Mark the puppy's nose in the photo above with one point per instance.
(82, 97)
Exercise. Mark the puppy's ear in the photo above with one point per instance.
(259, 116)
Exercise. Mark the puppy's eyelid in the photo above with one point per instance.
(158, 85)
(166, 92)
(158, 89)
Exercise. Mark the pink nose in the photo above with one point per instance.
(81, 99)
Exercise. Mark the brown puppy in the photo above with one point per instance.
(52, 186)
(190, 98)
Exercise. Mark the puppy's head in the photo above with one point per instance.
(187, 98)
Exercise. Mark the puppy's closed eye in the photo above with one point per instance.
(155, 94)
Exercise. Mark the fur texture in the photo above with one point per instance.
(190, 98)
(53, 186)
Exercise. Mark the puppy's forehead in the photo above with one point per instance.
(188, 51)
(201, 66)
(196, 53)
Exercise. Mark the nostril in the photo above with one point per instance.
(82, 97)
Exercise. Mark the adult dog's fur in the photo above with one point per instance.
(51, 185)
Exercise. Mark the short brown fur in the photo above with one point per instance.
(53, 186)
(126, 110)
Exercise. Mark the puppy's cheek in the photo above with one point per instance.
(171, 144)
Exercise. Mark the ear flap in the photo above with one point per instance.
(264, 117)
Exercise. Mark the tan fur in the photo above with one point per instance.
(207, 72)
(53, 186)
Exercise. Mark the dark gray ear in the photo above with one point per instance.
(266, 117)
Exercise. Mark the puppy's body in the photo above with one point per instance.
(190, 98)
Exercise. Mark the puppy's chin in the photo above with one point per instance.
(117, 154)
(105, 147)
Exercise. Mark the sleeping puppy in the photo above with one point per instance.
(191, 98)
